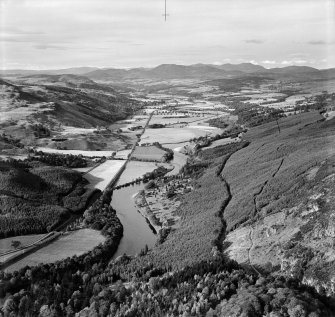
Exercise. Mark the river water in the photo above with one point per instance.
(136, 231)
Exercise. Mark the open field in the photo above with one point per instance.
(101, 176)
(87, 142)
(5, 244)
(75, 130)
(151, 153)
(170, 135)
(135, 169)
(174, 118)
(136, 121)
(176, 147)
(70, 244)
(123, 154)
(205, 128)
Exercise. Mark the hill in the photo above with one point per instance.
(274, 194)
(243, 67)
(34, 107)
(294, 70)
(282, 199)
(35, 198)
(73, 70)
(174, 71)
(207, 72)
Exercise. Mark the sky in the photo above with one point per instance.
(50, 34)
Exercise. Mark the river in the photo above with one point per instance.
(136, 231)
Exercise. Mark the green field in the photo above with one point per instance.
(70, 244)
(6, 244)
(136, 169)
(148, 153)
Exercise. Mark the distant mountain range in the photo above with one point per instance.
(73, 71)
(196, 71)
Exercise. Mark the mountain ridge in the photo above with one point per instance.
(198, 71)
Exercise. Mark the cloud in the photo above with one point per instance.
(10, 30)
(11, 39)
(48, 46)
(107, 32)
(17, 35)
(301, 61)
(269, 62)
(254, 41)
(317, 42)
(299, 55)
(296, 61)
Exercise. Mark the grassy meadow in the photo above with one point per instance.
(101, 176)
(136, 169)
(68, 245)
(148, 153)
(6, 244)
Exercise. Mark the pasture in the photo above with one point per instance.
(135, 169)
(69, 244)
(171, 135)
(101, 176)
(173, 118)
(75, 130)
(123, 154)
(148, 153)
(6, 244)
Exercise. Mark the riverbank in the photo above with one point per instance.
(159, 203)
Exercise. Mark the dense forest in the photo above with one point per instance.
(252, 115)
(66, 160)
(35, 198)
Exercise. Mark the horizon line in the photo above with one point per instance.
(151, 67)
